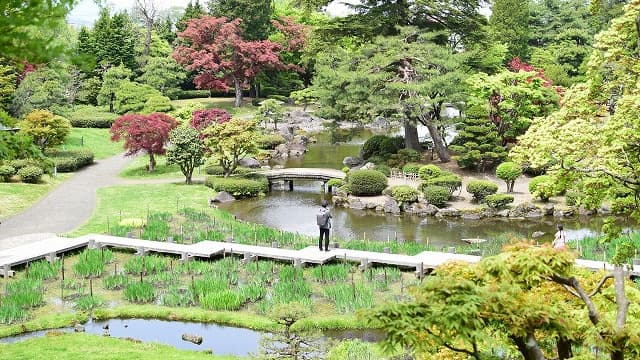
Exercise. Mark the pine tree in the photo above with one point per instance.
(509, 24)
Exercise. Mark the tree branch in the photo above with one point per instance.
(573, 283)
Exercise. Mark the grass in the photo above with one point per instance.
(96, 140)
(45, 321)
(137, 169)
(140, 292)
(15, 196)
(91, 347)
(92, 262)
(225, 103)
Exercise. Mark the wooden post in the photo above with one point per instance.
(90, 286)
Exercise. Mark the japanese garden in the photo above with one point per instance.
(162, 165)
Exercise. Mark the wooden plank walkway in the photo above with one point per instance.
(423, 262)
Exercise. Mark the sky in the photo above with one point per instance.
(86, 12)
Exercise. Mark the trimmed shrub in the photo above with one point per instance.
(90, 117)
(498, 201)
(71, 160)
(411, 168)
(367, 182)
(481, 188)
(404, 193)
(382, 146)
(542, 187)
(448, 180)
(346, 169)
(211, 167)
(270, 141)
(239, 188)
(30, 174)
(386, 170)
(409, 155)
(429, 171)
(157, 103)
(335, 183)
(6, 172)
(436, 195)
(190, 94)
(509, 172)
(377, 160)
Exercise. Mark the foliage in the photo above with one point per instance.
(70, 160)
(411, 168)
(450, 181)
(184, 113)
(187, 150)
(354, 349)
(17, 146)
(367, 182)
(542, 186)
(385, 169)
(90, 117)
(481, 188)
(139, 292)
(134, 97)
(231, 141)
(30, 174)
(404, 193)
(498, 201)
(335, 182)
(112, 79)
(6, 172)
(429, 171)
(270, 110)
(239, 188)
(45, 128)
(436, 195)
(147, 264)
(115, 282)
(382, 146)
(211, 167)
(202, 119)
(91, 262)
(43, 88)
(162, 74)
(509, 172)
(509, 24)
(270, 141)
(146, 133)
(157, 103)
(477, 144)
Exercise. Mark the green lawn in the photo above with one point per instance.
(221, 103)
(17, 196)
(96, 140)
(133, 201)
(87, 347)
(137, 169)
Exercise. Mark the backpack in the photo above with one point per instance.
(322, 217)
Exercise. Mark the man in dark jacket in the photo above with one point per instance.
(324, 223)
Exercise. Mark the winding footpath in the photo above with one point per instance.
(65, 208)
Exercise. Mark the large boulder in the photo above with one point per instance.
(448, 212)
(249, 163)
(223, 197)
(281, 152)
(296, 149)
(352, 161)
(521, 210)
(420, 209)
(391, 206)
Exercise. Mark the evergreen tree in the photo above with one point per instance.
(114, 39)
(477, 143)
(255, 14)
(192, 11)
(509, 24)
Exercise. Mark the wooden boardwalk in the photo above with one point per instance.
(423, 262)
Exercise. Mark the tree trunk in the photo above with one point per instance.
(188, 179)
(411, 140)
(622, 304)
(152, 162)
(564, 348)
(510, 185)
(528, 347)
(238, 86)
(438, 144)
(111, 99)
(147, 41)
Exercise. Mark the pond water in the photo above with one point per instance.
(221, 340)
(295, 211)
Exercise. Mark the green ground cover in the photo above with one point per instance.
(96, 140)
(87, 347)
(225, 103)
(137, 169)
(17, 196)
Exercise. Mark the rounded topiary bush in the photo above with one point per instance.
(367, 182)
(404, 193)
(481, 188)
(498, 201)
(382, 146)
(448, 180)
(6, 172)
(239, 188)
(509, 172)
(436, 195)
(429, 171)
(30, 174)
(542, 187)
(411, 168)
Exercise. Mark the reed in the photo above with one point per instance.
(148, 264)
(222, 300)
(156, 230)
(91, 262)
(12, 313)
(350, 297)
(253, 291)
(115, 282)
(194, 267)
(43, 270)
(195, 215)
(139, 292)
(333, 272)
(176, 296)
(88, 303)
(26, 293)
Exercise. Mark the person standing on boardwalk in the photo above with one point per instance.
(323, 219)
(560, 240)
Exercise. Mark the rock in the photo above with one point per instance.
(391, 206)
(420, 209)
(474, 241)
(196, 339)
(352, 161)
(281, 152)
(604, 210)
(249, 163)
(503, 213)
(356, 203)
(265, 167)
(585, 212)
(223, 197)
(368, 166)
(380, 123)
(534, 214)
(448, 212)
(471, 216)
(78, 328)
(296, 150)
(563, 212)
(278, 167)
(521, 209)
(548, 209)
(537, 234)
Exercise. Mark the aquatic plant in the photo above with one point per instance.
(115, 282)
(87, 303)
(139, 292)
(91, 262)
(147, 264)
(350, 297)
(43, 270)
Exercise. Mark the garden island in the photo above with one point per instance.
(162, 165)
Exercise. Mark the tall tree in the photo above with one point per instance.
(113, 40)
(256, 15)
(147, 9)
(509, 24)
(162, 73)
(192, 11)
(216, 48)
(143, 133)
(40, 89)
(112, 79)
(19, 20)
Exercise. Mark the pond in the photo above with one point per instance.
(221, 340)
(295, 211)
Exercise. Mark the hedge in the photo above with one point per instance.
(509, 172)
(6, 172)
(430, 171)
(382, 146)
(436, 195)
(190, 94)
(70, 160)
(239, 188)
(404, 193)
(448, 180)
(497, 201)
(30, 174)
(367, 182)
(211, 167)
(481, 188)
(90, 117)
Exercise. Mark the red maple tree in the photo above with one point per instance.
(516, 65)
(147, 133)
(204, 118)
(215, 48)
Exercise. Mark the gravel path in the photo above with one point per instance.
(65, 208)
